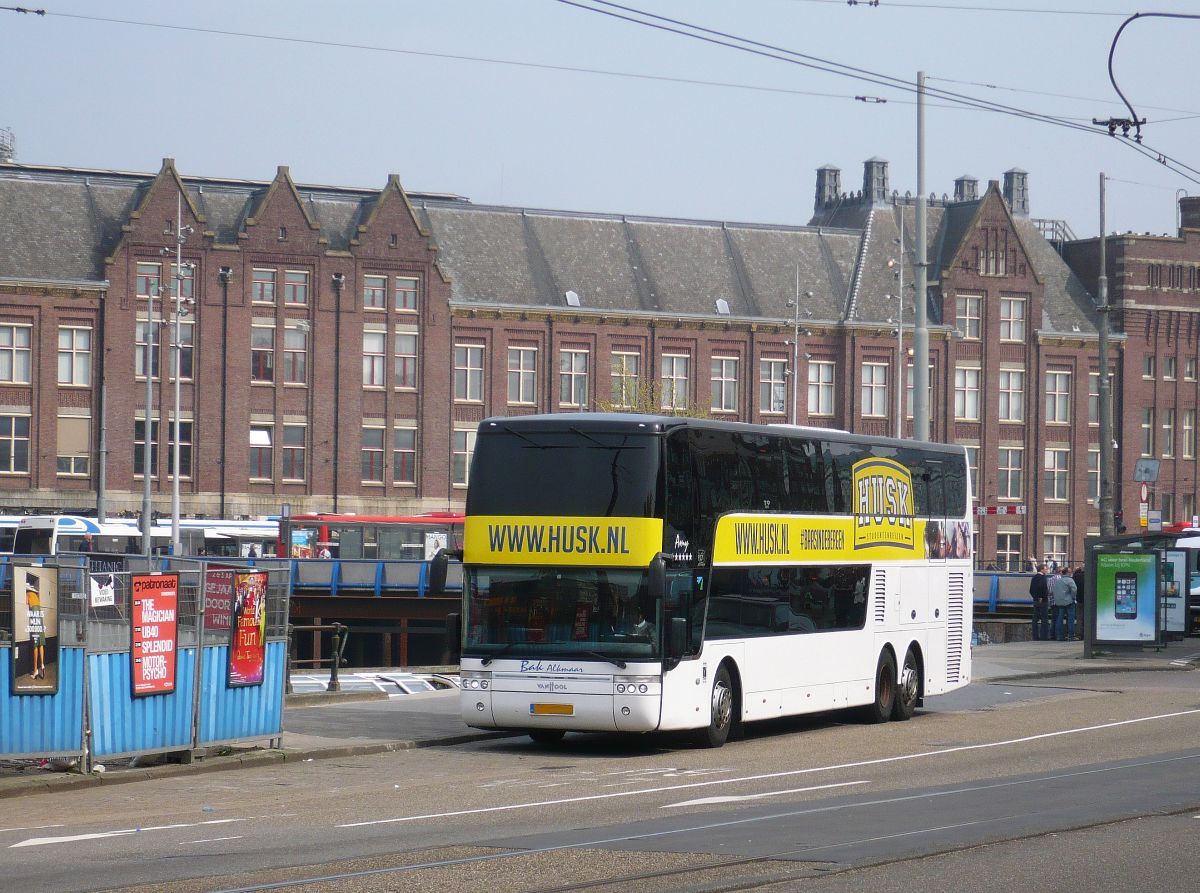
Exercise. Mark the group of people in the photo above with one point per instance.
(1056, 592)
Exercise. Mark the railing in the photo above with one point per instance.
(341, 634)
(376, 576)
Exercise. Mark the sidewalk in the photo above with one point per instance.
(319, 726)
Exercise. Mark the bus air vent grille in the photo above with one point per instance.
(881, 588)
(954, 626)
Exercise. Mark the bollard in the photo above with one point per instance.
(335, 659)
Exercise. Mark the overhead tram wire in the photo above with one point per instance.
(1160, 108)
(772, 52)
(900, 4)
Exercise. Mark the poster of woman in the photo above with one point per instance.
(35, 631)
(247, 650)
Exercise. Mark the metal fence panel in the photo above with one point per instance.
(123, 725)
(252, 711)
(43, 725)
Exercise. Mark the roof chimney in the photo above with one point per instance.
(875, 181)
(1016, 191)
(966, 189)
(829, 186)
(1189, 212)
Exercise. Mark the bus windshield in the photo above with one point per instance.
(568, 471)
(566, 612)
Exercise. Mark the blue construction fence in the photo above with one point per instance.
(87, 673)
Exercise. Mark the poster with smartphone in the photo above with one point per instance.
(1174, 591)
(1127, 587)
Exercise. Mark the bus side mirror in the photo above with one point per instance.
(658, 578)
(438, 565)
(676, 643)
(453, 638)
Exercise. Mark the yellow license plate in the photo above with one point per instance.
(551, 710)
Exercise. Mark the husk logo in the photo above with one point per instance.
(883, 511)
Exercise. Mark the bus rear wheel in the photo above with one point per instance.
(720, 711)
(885, 689)
(908, 688)
(547, 736)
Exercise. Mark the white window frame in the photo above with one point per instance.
(967, 380)
(399, 452)
(676, 386)
(78, 357)
(874, 390)
(625, 371)
(724, 382)
(1058, 397)
(821, 384)
(468, 373)
(522, 375)
(407, 346)
(969, 322)
(462, 447)
(1010, 479)
(1056, 483)
(772, 386)
(1012, 395)
(1012, 318)
(573, 369)
(374, 359)
(16, 350)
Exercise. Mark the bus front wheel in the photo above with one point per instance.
(908, 688)
(885, 689)
(720, 710)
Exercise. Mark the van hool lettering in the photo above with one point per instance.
(883, 509)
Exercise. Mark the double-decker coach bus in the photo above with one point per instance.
(635, 573)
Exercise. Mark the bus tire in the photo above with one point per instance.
(885, 689)
(547, 736)
(908, 688)
(720, 711)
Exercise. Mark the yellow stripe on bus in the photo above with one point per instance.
(576, 541)
(771, 539)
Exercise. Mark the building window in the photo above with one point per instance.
(1167, 507)
(73, 446)
(675, 372)
(1055, 549)
(1149, 366)
(874, 389)
(908, 388)
(404, 455)
(468, 372)
(992, 257)
(966, 393)
(292, 453)
(185, 281)
(182, 353)
(261, 452)
(1093, 475)
(295, 287)
(1188, 510)
(572, 378)
(724, 384)
(820, 388)
(522, 375)
(375, 292)
(74, 356)
(1170, 364)
(772, 386)
(141, 331)
(406, 293)
(1008, 480)
(1012, 395)
(1093, 398)
(973, 467)
(372, 455)
(1168, 433)
(139, 448)
(374, 359)
(1008, 552)
(969, 315)
(1056, 475)
(295, 355)
(1058, 397)
(1189, 369)
(185, 449)
(1012, 319)
(406, 360)
(149, 281)
(462, 446)
(1148, 431)
(16, 354)
(262, 286)
(14, 444)
(262, 353)
(1189, 434)
(626, 368)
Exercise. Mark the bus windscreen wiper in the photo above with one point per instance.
(491, 657)
(615, 661)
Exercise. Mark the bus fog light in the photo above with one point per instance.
(620, 689)
(624, 711)
(479, 706)
(643, 688)
(483, 683)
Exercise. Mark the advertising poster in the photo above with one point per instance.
(103, 590)
(248, 649)
(35, 630)
(1127, 598)
(154, 627)
(1174, 591)
(218, 599)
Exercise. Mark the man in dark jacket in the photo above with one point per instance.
(1039, 591)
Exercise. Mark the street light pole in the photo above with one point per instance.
(900, 338)
(796, 350)
(147, 424)
(1108, 524)
(338, 280)
(181, 234)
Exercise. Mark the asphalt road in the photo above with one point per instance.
(1092, 783)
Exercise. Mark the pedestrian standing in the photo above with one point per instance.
(1039, 591)
(1062, 600)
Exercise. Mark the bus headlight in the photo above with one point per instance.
(632, 685)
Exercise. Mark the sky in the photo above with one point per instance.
(553, 104)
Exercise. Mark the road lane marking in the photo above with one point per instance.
(100, 835)
(962, 748)
(211, 840)
(737, 798)
(31, 828)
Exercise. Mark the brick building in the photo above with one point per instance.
(346, 341)
(1154, 292)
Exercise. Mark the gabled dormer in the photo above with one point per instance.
(280, 220)
(391, 229)
(988, 243)
(155, 216)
